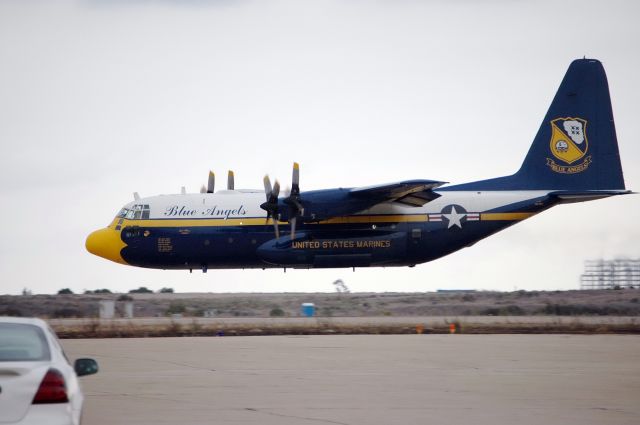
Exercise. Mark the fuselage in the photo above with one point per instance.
(228, 229)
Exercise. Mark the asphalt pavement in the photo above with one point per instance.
(363, 380)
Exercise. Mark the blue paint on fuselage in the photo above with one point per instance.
(316, 245)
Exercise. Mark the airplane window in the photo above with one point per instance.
(123, 213)
(130, 214)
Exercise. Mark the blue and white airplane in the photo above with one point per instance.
(573, 158)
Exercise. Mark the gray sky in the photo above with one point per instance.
(99, 99)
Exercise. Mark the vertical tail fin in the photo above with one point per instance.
(576, 148)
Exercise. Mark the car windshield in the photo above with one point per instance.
(22, 342)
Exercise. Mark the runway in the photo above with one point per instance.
(363, 380)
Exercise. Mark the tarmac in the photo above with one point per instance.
(363, 380)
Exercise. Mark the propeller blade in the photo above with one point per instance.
(230, 180)
(295, 179)
(271, 206)
(211, 183)
(275, 227)
(293, 199)
(292, 221)
(297, 204)
(267, 187)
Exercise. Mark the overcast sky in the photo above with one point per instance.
(100, 98)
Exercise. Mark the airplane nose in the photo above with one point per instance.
(106, 243)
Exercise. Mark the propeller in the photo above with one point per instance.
(211, 184)
(271, 206)
(293, 200)
(230, 180)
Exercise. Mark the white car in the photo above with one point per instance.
(38, 385)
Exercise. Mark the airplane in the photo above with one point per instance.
(573, 158)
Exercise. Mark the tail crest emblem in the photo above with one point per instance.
(569, 144)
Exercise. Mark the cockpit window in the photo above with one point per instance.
(140, 211)
(137, 212)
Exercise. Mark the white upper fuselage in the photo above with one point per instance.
(238, 204)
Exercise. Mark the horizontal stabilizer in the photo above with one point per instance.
(569, 197)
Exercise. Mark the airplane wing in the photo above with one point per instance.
(410, 192)
(317, 205)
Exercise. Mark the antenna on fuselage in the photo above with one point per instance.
(136, 197)
(183, 190)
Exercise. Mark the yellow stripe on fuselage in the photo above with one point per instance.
(505, 216)
(354, 219)
(376, 219)
(187, 222)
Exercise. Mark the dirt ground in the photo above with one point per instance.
(470, 303)
(255, 326)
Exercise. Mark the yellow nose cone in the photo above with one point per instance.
(106, 243)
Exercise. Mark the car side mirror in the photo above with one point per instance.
(85, 367)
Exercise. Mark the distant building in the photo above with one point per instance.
(107, 309)
(128, 309)
(609, 274)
